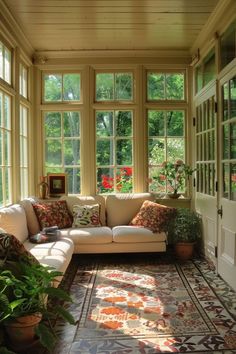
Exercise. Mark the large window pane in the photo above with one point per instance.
(123, 86)
(104, 123)
(156, 151)
(53, 152)
(71, 87)
(123, 123)
(23, 80)
(105, 180)
(114, 151)
(104, 87)
(5, 63)
(156, 123)
(124, 152)
(52, 87)
(62, 146)
(114, 86)
(175, 149)
(5, 149)
(155, 86)
(174, 86)
(62, 87)
(71, 124)
(72, 152)
(227, 46)
(73, 180)
(165, 86)
(166, 143)
(233, 97)
(104, 152)
(233, 141)
(175, 123)
(53, 124)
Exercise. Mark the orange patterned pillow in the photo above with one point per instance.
(53, 214)
(153, 216)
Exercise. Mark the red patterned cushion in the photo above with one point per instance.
(52, 214)
(153, 216)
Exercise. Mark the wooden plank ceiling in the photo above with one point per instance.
(91, 25)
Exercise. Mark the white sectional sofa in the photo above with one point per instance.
(113, 236)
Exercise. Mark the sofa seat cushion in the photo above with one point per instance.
(88, 235)
(63, 247)
(128, 234)
(60, 263)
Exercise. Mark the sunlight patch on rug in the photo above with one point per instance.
(149, 309)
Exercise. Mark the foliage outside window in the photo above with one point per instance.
(5, 63)
(114, 150)
(114, 86)
(166, 142)
(165, 86)
(206, 71)
(5, 149)
(23, 81)
(60, 87)
(24, 168)
(229, 139)
(62, 146)
(228, 46)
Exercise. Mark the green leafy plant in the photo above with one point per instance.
(174, 175)
(186, 226)
(31, 291)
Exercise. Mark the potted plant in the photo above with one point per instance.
(25, 301)
(174, 176)
(184, 230)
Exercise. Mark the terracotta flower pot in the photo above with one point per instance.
(184, 250)
(21, 331)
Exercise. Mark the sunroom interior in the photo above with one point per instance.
(106, 91)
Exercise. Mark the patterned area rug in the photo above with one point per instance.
(147, 307)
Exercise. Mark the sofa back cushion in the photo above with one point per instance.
(121, 208)
(13, 221)
(86, 200)
(32, 220)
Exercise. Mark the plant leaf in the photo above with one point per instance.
(58, 293)
(66, 315)
(46, 336)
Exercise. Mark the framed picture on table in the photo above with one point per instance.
(57, 184)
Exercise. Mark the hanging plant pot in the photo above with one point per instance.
(184, 250)
(21, 331)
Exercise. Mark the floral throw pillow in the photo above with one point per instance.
(53, 214)
(153, 216)
(86, 215)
